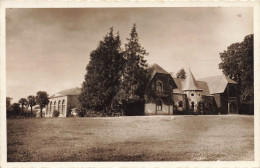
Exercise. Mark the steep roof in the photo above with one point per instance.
(217, 84)
(201, 84)
(190, 82)
(67, 92)
(155, 68)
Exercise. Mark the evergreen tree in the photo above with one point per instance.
(134, 77)
(181, 74)
(103, 74)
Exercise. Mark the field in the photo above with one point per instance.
(153, 138)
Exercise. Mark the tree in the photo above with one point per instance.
(8, 106)
(23, 103)
(237, 62)
(181, 74)
(15, 109)
(134, 77)
(31, 102)
(42, 100)
(103, 73)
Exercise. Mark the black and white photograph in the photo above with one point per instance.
(131, 84)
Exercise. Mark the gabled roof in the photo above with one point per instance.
(152, 70)
(67, 92)
(217, 84)
(190, 82)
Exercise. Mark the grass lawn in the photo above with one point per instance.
(153, 138)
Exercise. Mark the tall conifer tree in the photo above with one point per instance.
(134, 77)
(103, 74)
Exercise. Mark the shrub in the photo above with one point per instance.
(71, 115)
(55, 113)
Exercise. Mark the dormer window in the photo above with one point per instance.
(159, 86)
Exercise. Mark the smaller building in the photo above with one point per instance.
(210, 95)
(159, 92)
(63, 101)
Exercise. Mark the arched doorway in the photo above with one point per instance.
(158, 105)
(233, 108)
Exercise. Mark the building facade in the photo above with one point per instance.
(211, 95)
(159, 92)
(166, 95)
(64, 102)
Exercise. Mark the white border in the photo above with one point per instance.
(92, 4)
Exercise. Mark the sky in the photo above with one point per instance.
(48, 49)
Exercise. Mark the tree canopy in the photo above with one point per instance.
(31, 102)
(42, 100)
(103, 73)
(237, 62)
(23, 103)
(181, 74)
(134, 76)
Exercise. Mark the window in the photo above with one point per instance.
(63, 107)
(59, 105)
(54, 108)
(180, 104)
(199, 94)
(50, 107)
(159, 105)
(159, 86)
(232, 91)
(47, 109)
(192, 105)
(192, 94)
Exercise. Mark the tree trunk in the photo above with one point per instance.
(31, 111)
(41, 112)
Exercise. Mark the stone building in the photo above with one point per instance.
(211, 95)
(63, 101)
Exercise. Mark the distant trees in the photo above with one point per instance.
(114, 77)
(23, 102)
(8, 106)
(17, 109)
(181, 74)
(237, 62)
(42, 100)
(31, 102)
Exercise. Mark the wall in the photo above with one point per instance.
(150, 109)
(56, 99)
(221, 102)
(177, 98)
(71, 103)
(196, 98)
